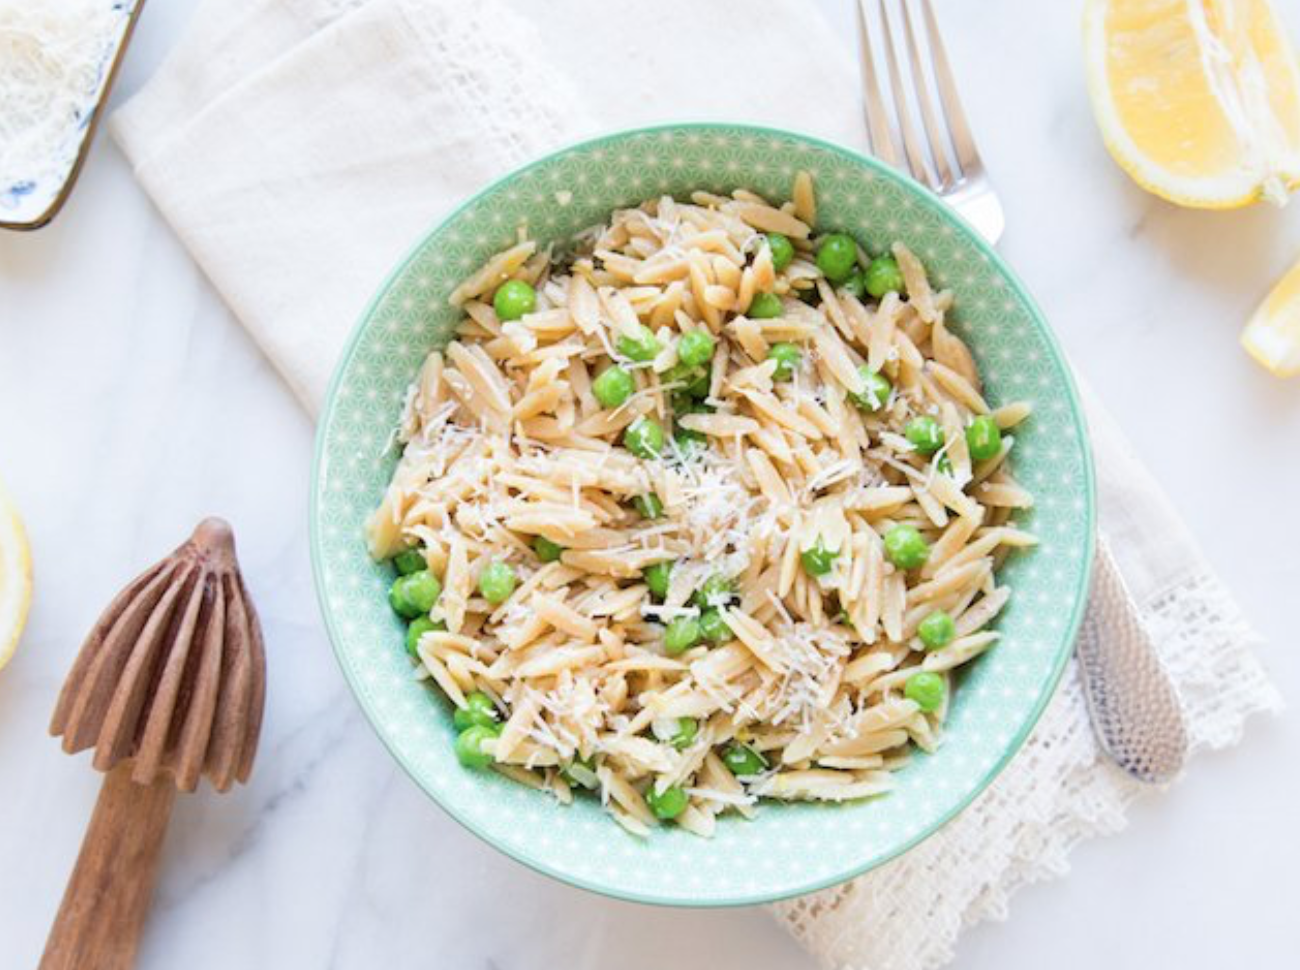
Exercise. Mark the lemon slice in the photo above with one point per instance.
(15, 578)
(1198, 100)
(1272, 336)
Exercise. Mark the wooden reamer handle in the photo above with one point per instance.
(107, 899)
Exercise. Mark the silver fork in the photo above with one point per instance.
(947, 161)
(1131, 700)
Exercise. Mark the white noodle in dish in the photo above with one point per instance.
(703, 510)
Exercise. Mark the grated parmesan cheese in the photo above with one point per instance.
(53, 57)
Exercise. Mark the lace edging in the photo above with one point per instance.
(909, 913)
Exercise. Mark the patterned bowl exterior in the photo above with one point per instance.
(788, 849)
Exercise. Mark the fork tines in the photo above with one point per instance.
(914, 121)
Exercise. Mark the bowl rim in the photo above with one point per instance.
(318, 467)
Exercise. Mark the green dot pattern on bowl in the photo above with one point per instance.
(788, 849)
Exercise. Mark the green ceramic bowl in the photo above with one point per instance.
(788, 849)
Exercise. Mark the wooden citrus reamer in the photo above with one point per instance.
(168, 688)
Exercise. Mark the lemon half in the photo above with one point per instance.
(15, 577)
(1198, 100)
(1273, 334)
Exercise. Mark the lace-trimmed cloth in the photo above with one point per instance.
(1058, 791)
(427, 101)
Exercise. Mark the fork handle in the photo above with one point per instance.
(107, 897)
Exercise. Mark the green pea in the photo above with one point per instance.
(687, 729)
(667, 804)
(469, 745)
(415, 593)
(944, 465)
(409, 561)
(883, 276)
(418, 628)
(513, 299)
(855, 285)
(496, 582)
(927, 689)
(925, 434)
(648, 505)
(657, 578)
(547, 551)
(478, 710)
(905, 547)
(696, 379)
(717, 590)
(613, 387)
(743, 761)
(765, 306)
(787, 357)
(818, 560)
(581, 773)
(713, 627)
(683, 633)
(936, 630)
(695, 348)
(644, 437)
(688, 441)
(782, 250)
(836, 256)
(809, 295)
(875, 390)
(700, 384)
(983, 438)
(640, 345)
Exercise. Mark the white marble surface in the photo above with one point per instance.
(131, 404)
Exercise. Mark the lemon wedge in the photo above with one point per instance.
(1198, 100)
(15, 578)
(1272, 336)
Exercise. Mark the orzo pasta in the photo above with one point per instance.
(701, 511)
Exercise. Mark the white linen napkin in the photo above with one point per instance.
(299, 147)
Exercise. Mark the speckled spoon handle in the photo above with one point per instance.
(1134, 707)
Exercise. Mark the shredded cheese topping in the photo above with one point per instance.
(53, 54)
